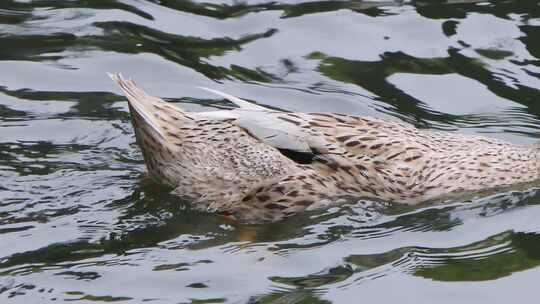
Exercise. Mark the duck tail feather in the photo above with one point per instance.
(139, 101)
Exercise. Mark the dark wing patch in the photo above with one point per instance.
(302, 158)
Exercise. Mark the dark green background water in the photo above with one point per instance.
(79, 221)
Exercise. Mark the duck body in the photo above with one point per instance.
(259, 165)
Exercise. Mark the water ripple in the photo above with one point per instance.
(80, 221)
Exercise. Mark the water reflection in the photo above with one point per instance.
(487, 261)
(288, 10)
(80, 222)
(374, 77)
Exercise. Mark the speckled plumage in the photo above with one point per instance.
(236, 163)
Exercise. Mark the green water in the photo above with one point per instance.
(79, 222)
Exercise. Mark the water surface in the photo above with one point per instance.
(79, 221)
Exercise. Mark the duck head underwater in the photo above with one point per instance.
(260, 165)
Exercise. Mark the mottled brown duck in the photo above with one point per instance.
(256, 164)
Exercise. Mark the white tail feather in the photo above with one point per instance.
(244, 104)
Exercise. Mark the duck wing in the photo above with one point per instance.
(284, 131)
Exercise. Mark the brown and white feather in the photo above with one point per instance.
(233, 162)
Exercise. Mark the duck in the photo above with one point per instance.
(256, 164)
